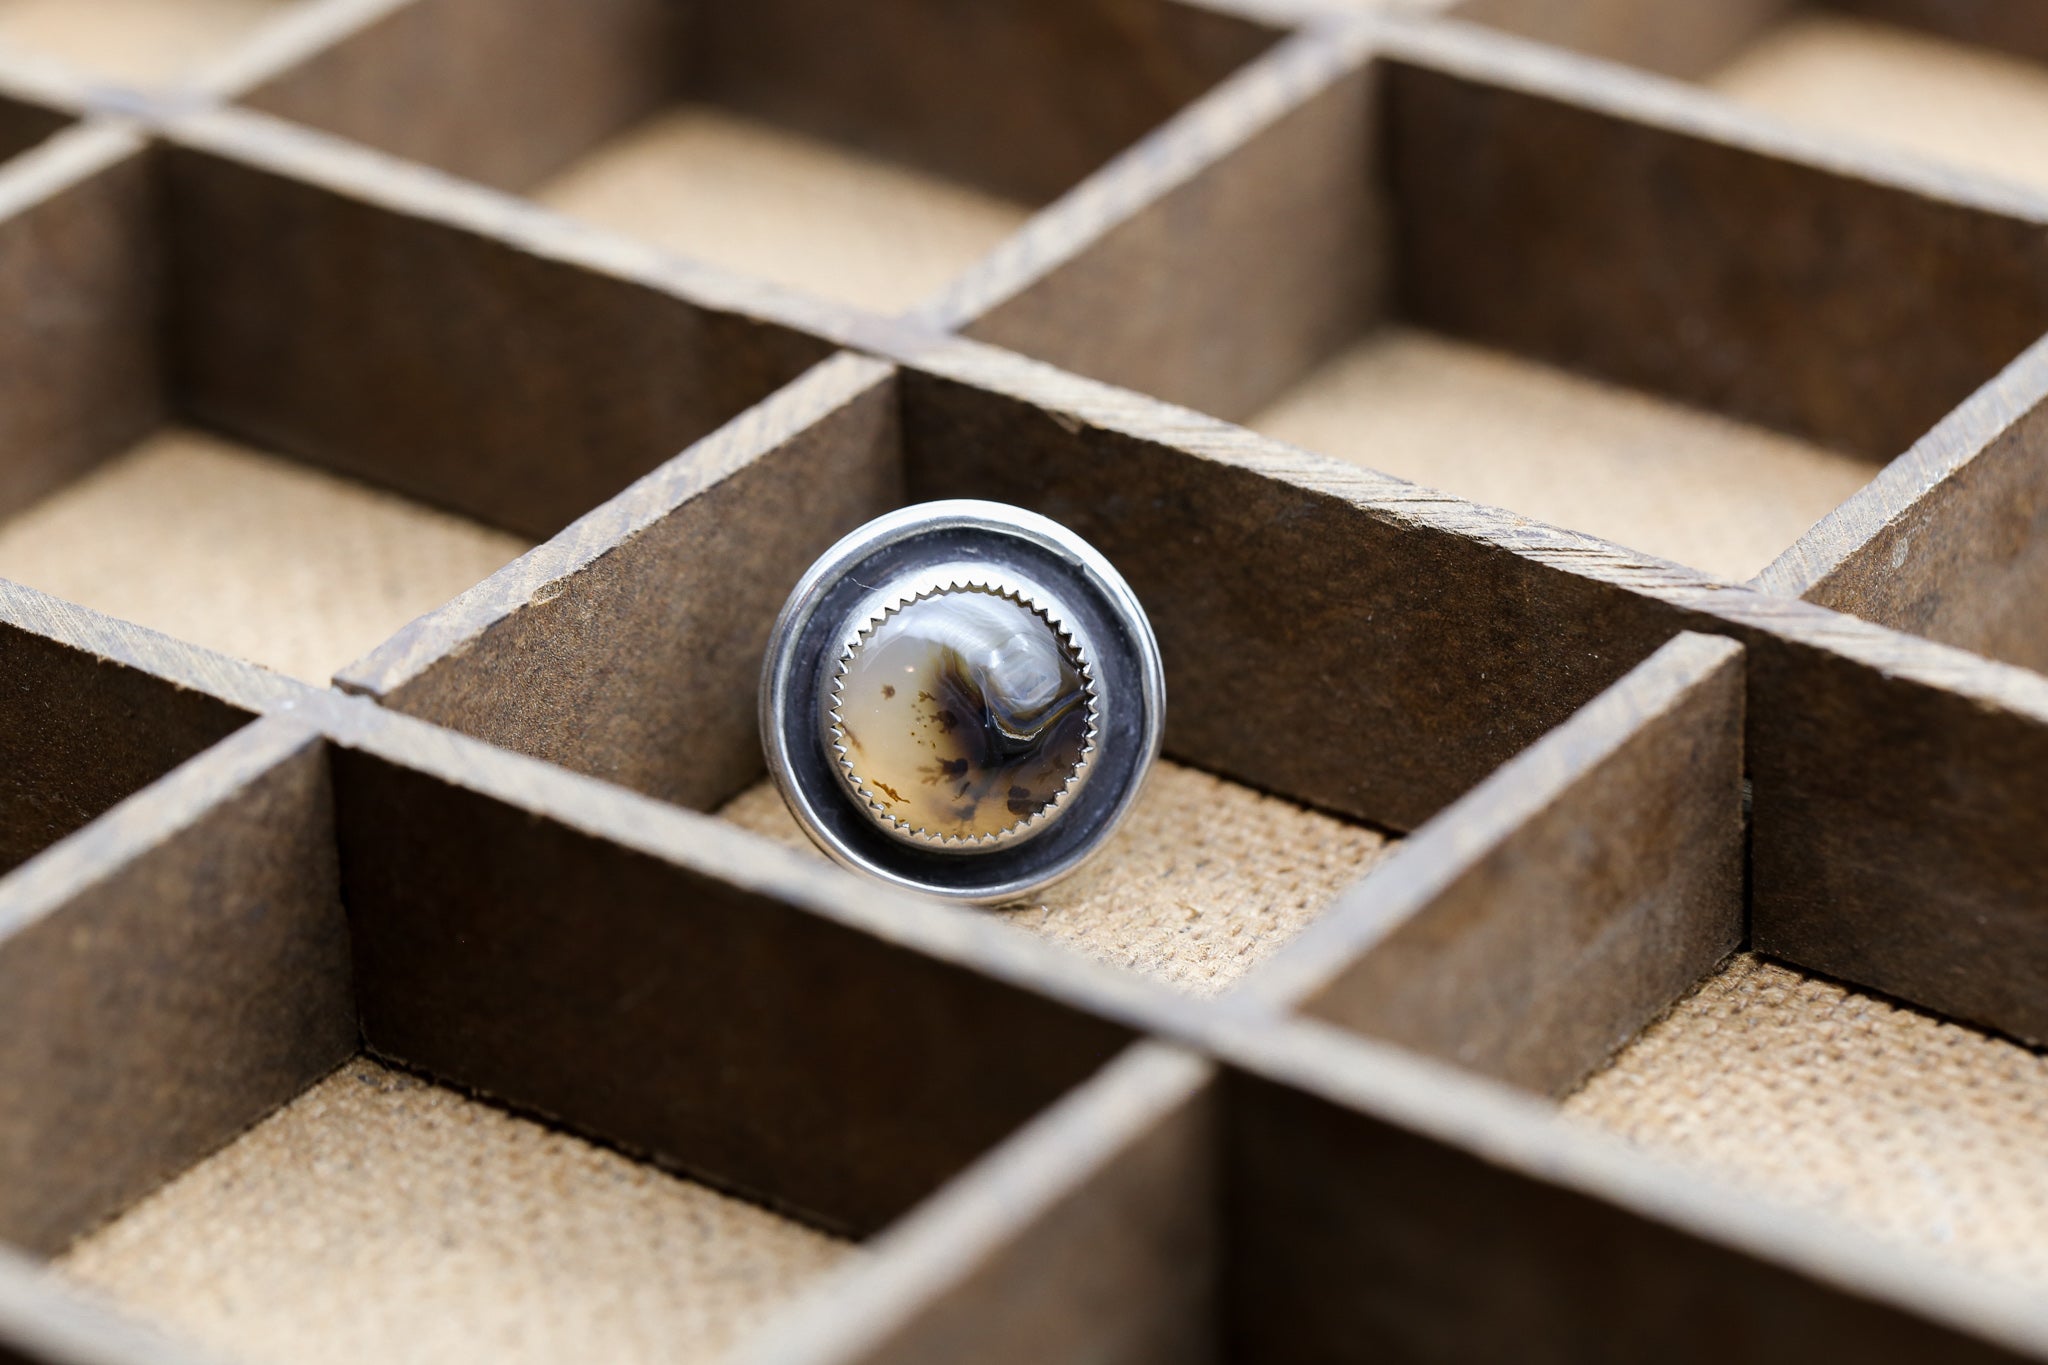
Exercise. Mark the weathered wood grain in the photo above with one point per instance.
(1535, 925)
(1651, 235)
(1381, 1207)
(169, 975)
(81, 308)
(92, 710)
(630, 646)
(403, 345)
(1535, 201)
(1090, 1235)
(750, 1035)
(501, 91)
(1310, 611)
(1950, 541)
(1021, 99)
(1219, 259)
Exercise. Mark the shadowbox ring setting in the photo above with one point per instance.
(962, 698)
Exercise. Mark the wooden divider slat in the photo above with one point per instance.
(1948, 541)
(93, 709)
(1538, 923)
(401, 348)
(169, 975)
(81, 306)
(1379, 1207)
(642, 626)
(1091, 1234)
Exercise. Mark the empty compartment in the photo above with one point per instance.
(1962, 84)
(273, 1101)
(865, 157)
(1919, 1131)
(281, 419)
(134, 42)
(1442, 260)
(1572, 927)
(466, 1227)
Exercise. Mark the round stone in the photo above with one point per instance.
(961, 715)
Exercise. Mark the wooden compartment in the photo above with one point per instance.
(1476, 267)
(701, 1005)
(187, 324)
(94, 710)
(1592, 887)
(1962, 84)
(341, 1031)
(1945, 542)
(865, 156)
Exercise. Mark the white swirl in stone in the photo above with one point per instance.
(963, 716)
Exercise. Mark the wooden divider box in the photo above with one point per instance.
(1592, 903)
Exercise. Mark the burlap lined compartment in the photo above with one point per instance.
(1968, 105)
(783, 207)
(1674, 481)
(1917, 1131)
(382, 1220)
(143, 42)
(1206, 877)
(246, 553)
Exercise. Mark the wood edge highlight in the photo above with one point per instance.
(44, 1321)
(1508, 1129)
(540, 574)
(874, 1311)
(711, 847)
(245, 686)
(1265, 90)
(1480, 823)
(146, 820)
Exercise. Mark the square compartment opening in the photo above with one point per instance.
(316, 1123)
(1445, 263)
(1965, 85)
(281, 421)
(866, 157)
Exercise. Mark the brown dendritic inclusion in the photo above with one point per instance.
(961, 715)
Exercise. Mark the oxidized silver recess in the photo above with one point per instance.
(962, 698)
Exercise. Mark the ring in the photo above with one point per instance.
(962, 698)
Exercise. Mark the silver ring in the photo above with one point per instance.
(962, 698)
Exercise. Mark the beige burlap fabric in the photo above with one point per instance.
(1206, 877)
(1670, 480)
(1920, 1132)
(785, 208)
(380, 1220)
(136, 41)
(1968, 106)
(255, 556)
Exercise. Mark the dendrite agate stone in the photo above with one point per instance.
(961, 715)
